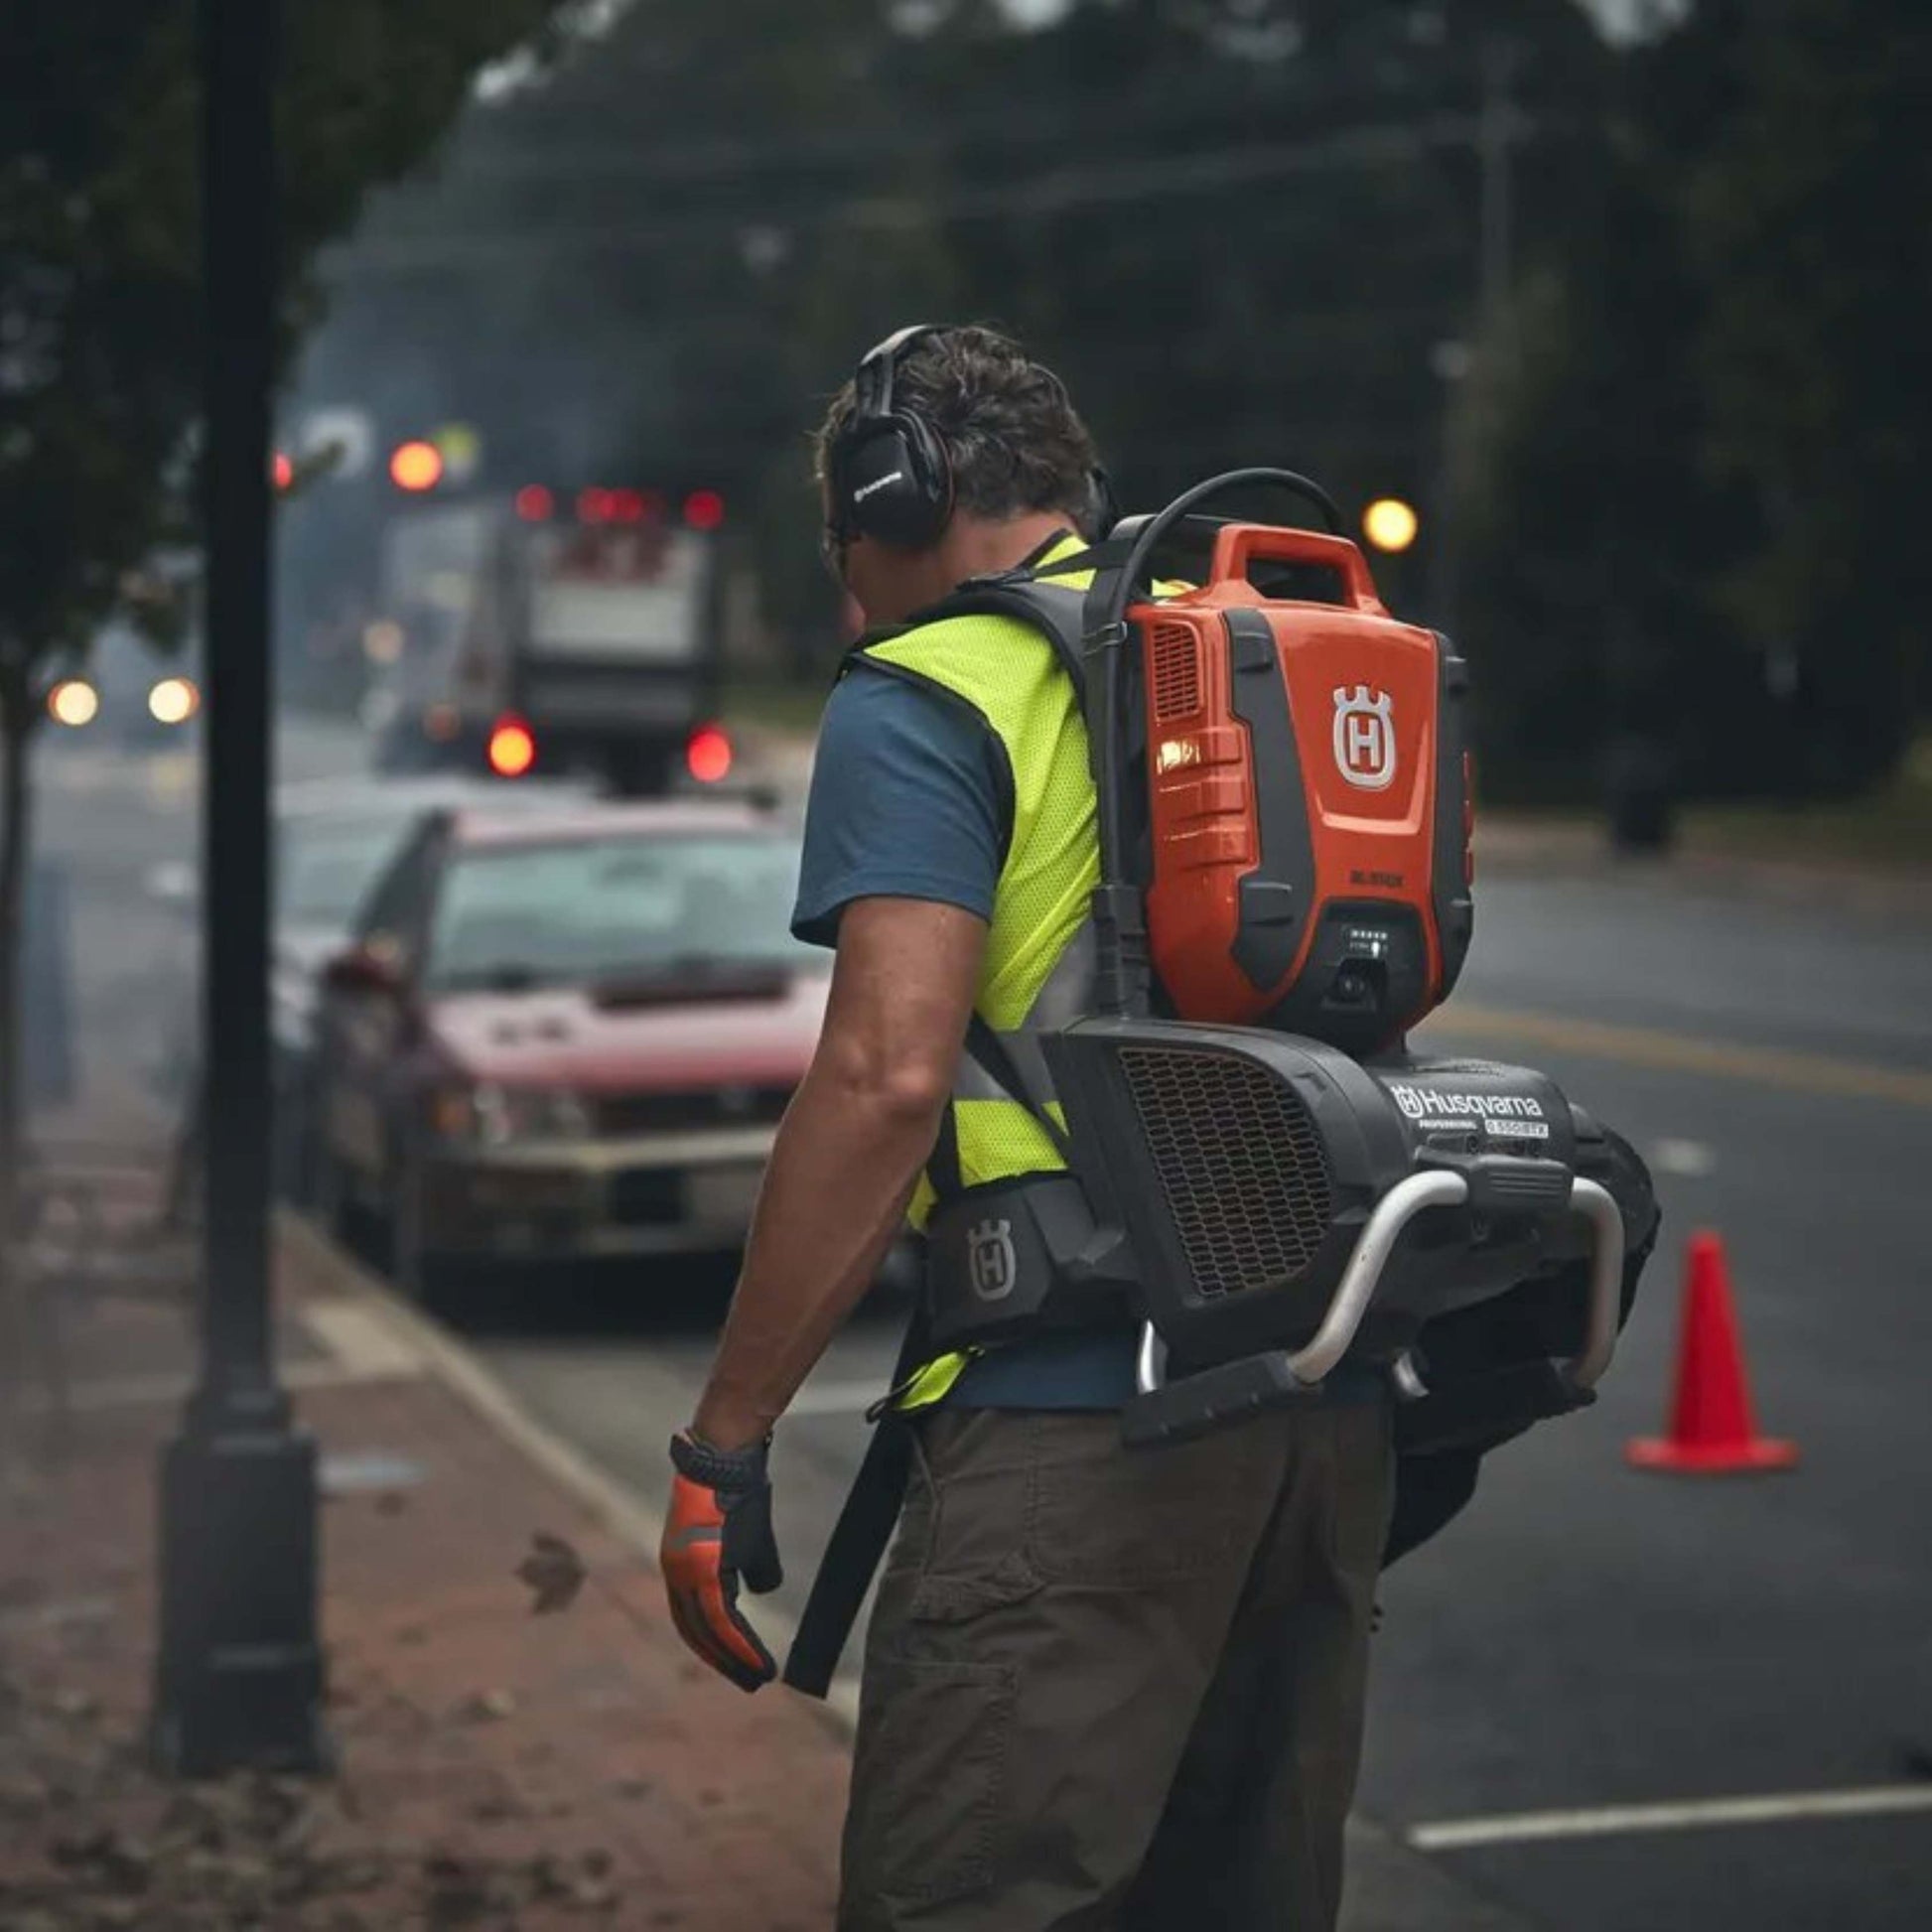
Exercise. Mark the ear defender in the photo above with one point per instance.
(890, 474)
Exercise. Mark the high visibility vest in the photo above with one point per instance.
(1038, 967)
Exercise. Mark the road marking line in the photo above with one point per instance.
(613, 1502)
(835, 1398)
(1698, 1814)
(1771, 1066)
(1690, 1158)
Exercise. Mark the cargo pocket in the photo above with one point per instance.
(930, 1808)
(930, 1777)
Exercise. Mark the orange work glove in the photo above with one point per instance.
(720, 1530)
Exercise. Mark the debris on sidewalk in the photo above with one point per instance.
(497, 1767)
(554, 1572)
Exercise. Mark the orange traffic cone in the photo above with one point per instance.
(1710, 1428)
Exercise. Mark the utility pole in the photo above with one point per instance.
(1472, 374)
(239, 1673)
(1495, 131)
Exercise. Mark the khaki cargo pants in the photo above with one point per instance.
(1118, 1689)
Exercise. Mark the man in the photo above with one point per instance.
(1102, 1687)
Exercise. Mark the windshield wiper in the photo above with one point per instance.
(694, 975)
(510, 977)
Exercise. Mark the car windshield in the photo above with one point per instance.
(325, 867)
(630, 907)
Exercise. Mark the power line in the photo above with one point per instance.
(1058, 190)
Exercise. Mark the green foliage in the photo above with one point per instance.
(1671, 497)
(1700, 521)
(1239, 228)
(1805, 217)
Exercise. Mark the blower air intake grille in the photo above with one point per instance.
(1177, 672)
(1241, 1166)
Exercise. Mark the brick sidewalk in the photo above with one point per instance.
(497, 1769)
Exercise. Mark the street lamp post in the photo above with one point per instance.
(238, 1675)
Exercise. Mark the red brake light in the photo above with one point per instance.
(512, 749)
(704, 510)
(283, 470)
(627, 505)
(534, 504)
(593, 505)
(708, 753)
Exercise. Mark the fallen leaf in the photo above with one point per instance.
(487, 1706)
(553, 1570)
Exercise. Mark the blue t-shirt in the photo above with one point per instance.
(911, 798)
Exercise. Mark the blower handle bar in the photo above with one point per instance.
(1410, 1196)
(1122, 985)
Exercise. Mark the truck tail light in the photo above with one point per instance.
(708, 753)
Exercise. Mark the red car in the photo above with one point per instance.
(566, 1034)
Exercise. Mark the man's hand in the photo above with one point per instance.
(718, 1531)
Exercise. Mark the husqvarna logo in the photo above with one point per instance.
(1408, 1099)
(1365, 737)
(990, 1261)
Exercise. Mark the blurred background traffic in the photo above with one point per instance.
(1602, 319)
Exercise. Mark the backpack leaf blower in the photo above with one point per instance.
(1256, 1164)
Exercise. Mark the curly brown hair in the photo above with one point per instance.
(1013, 435)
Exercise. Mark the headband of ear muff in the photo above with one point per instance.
(889, 475)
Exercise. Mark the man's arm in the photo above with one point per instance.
(848, 1153)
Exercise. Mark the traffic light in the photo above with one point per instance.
(1390, 524)
(416, 466)
(513, 748)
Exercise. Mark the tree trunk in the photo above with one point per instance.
(16, 725)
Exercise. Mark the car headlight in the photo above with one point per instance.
(492, 1115)
(174, 701)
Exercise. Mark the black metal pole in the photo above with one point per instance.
(238, 1671)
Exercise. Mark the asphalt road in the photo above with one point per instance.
(1586, 1637)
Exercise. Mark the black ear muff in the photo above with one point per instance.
(890, 475)
(1105, 510)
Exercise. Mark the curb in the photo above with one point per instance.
(615, 1504)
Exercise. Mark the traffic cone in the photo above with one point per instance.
(1711, 1432)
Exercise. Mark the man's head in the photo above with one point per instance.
(951, 454)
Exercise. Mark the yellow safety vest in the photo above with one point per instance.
(1038, 971)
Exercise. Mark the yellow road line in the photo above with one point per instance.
(1768, 1067)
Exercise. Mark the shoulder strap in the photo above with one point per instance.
(989, 1051)
(1053, 610)
(862, 1531)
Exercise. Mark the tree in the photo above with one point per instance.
(99, 339)
(1803, 213)
(1699, 516)
(1237, 227)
